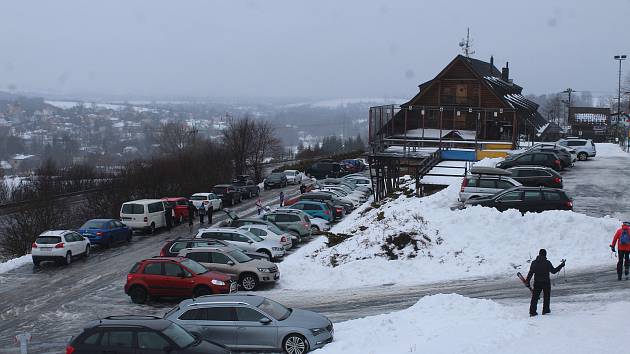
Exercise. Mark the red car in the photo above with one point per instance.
(180, 206)
(174, 277)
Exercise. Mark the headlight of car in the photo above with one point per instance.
(318, 331)
(264, 270)
(277, 248)
(217, 282)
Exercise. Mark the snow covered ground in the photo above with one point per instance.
(15, 263)
(452, 323)
(421, 240)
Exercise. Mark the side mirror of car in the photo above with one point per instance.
(265, 321)
(250, 241)
(230, 263)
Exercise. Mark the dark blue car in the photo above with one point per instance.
(105, 232)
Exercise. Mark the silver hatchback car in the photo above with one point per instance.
(253, 323)
(484, 182)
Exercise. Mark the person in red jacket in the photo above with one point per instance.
(622, 241)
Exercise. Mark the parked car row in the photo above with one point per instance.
(213, 324)
(529, 181)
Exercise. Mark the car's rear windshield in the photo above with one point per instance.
(274, 309)
(135, 267)
(219, 190)
(132, 208)
(198, 197)
(48, 240)
(94, 224)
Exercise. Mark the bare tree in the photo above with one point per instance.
(237, 138)
(175, 138)
(264, 144)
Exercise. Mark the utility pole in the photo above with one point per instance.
(619, 58)
(568, 91)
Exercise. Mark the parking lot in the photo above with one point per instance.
(40, 300)
(599, 185)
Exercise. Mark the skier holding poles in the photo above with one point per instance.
(539, 270)
(622, 241)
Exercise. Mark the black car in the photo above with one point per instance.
(171, 248)
(140, 334)
(276, 179)
(326, 169)
(563, 155)
(545, 159)
(536, 176)
(229, 194)
(325, 197)
(248, 187)
(527, 199)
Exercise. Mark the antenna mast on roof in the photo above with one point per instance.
(466, 44)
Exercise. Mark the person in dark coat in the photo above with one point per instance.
(302, 188)
(202, 212)
(540, 269)
(281, 198)
(168, 216)
(191, 213)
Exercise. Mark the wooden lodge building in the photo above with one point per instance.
(469, 111)
(468, 104)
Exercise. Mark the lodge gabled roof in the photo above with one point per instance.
(509, 93)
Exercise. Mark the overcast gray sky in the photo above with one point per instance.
(318, 48)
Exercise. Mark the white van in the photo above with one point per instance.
(145, 214)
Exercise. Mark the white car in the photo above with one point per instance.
(264, 232)
(60, 246)
(207, 199)
(293, 176)
(361, 181)
(244, 240)
(584, 148)
(318, 225)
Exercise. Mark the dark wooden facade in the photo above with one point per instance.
(467, 95)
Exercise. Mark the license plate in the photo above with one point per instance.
(45, 249)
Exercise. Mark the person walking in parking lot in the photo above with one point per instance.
(191, 215)
(540, 269)
(202, 212)
(168, 216)
(622, 241)
(281, 198)
(302, 188)
(259, 206)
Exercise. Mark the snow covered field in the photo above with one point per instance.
(428, 242)
(455, 324)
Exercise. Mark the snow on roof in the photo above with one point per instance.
(21, 157)
(542, 129)
(5, 165)
(590, 117)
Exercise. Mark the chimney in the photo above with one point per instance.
(505, 72)
(491, 72)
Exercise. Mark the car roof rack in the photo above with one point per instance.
(132, 317)
(483, 170)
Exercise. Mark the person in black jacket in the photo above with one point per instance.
(540, 269)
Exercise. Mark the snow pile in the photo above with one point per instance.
(15, 263)
(420, 240)
(455, 324)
